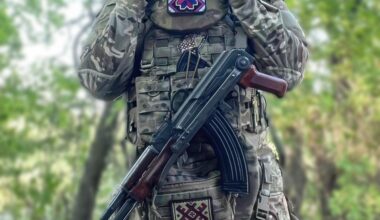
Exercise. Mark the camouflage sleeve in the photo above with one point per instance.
(107, 61)
(275, 36)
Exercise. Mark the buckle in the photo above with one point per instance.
(263, 209)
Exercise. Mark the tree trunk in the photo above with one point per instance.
(295, 174)
(95, 164)
(328, 175)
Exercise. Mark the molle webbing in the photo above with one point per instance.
(161, 52)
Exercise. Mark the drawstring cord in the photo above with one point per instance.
(231, 199)
(154, 207)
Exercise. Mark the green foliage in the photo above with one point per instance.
(339, 121)
(362, 200)
(8, 37)
(44, 127)
(39, 138)
(7, 29)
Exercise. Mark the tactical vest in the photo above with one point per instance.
(156, 91)
(159, 89)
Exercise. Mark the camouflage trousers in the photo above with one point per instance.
(192, 188)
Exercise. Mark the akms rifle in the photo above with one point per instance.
(199, 111)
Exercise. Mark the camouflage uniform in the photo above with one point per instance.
(134, 51)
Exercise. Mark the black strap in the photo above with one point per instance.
(149, 7)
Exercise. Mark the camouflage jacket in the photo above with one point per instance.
(109, 58)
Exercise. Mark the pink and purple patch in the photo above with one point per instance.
(180, 7)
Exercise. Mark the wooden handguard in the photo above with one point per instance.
(150, 177)
(254, 79)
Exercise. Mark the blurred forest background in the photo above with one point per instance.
(61, 151)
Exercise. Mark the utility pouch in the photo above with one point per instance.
(193, 199)
(271, 202)
(130, 113)
(153, 105)
(258, 117)
(245, 116)
(239, 110)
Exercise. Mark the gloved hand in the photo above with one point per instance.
(261, 17)
(125, 21)
(257, 16)
(130, 8)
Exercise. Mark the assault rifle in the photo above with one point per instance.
(199, 111)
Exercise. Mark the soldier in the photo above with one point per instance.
(152, 50)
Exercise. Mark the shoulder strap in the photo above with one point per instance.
(143, 30)
(149, 6)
